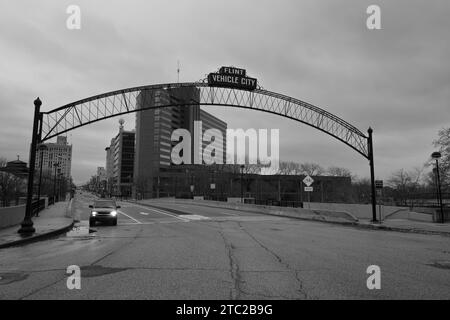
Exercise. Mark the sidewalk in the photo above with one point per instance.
(392, 224)
(51, 221)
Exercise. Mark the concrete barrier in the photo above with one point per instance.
(411, 215)
(11, 216)
(360, 211)
(316, 214)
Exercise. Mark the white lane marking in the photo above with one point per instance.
(162, 212)
(144, 213)
(155, 222)
(121, 212)
(193, 205)
(195, 217)
(133, 224)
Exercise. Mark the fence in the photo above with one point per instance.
(37, 206)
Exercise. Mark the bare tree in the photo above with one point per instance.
(361, 190)
(339, 172)
(405, 183)
(399, 179)
(289, 168)
(11, 186)
(312, 169)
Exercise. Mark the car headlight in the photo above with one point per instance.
(114, 213)
(94, 213)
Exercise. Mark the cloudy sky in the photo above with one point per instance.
(396, 80)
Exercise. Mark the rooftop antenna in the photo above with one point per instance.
(178, 71)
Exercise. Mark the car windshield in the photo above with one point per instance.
(104, 204)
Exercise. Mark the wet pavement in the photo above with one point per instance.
(207, 253)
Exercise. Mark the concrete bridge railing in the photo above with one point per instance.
(11, 216)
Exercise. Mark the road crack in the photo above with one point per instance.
(235, 291)
(301, 290)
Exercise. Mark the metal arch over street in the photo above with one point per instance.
(111, 104)
(47, 125)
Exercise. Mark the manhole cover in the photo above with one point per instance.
(7, 278)
(441, 264)
(97, 271)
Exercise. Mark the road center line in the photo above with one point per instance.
(162, 212)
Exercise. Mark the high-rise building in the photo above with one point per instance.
(154, 128)
(59, 154)
(101, 174)
(109, 166)
(211, 122)
(120, 162)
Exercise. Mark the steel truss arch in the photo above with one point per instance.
(115, 103)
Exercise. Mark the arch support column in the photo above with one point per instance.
(372, 176)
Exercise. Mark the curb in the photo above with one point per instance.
(404, 230)
(39, 237)
(317, 218)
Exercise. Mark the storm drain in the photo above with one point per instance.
(97, 271)
(7, 278)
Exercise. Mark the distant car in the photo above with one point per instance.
(103, 211)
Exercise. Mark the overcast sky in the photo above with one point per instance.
(396, 80)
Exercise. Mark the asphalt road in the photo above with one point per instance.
(192, 252)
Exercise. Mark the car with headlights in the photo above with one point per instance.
(103, 211)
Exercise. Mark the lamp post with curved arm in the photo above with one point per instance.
(41, 149)
(437, 156)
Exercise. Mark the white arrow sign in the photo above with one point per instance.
(308, 180)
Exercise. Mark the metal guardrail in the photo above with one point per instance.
(37, 206)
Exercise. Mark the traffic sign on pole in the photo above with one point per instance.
(308, 189)
(308, 180)
(379, 184)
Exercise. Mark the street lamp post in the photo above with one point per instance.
(242, 185)
(437, 156)
(41, 148)
(26, 227)
(55, 165)
(372, 175)
(59, 185)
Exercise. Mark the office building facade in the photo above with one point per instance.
(120, 163)
(57, 154)
(154, 129)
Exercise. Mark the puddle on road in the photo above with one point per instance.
(81, 230)
(7, 278)
(97, 271)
